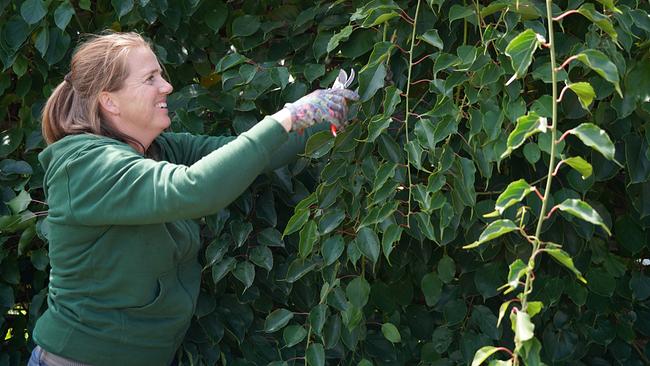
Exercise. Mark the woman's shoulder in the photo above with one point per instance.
(76, 146)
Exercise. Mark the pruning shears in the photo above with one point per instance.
(342, 82)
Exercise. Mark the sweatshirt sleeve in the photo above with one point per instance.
(110, 184)
(186, 149)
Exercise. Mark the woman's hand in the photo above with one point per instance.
(323, 105)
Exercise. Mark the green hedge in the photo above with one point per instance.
(354, 254)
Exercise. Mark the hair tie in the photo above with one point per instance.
(68, 77)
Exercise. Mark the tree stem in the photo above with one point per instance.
(551, 164)
(406, 118)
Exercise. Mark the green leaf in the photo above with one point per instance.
(377, 125)
(293, 334)
(431, 288)
(580, 165)
(262, 257)
(534, 307)
(514, 193)
(332, 249)
(296, 221)
(521, 50)
(391, 333)
(19, 203)
(446, 269)
(364, 362)
(221, 269)
(493, 231)
(592, 136)
(517, 270)
(609, 5)
(640, 286)
(598, 62)
(63, 14)
(277, 320)
(308, 236)
(524, 329)
(33, 11)
(240, 232)
(391, 235)
(215, 15)
(270, 237)
(385, 172)
(315, 355)
(589, 11)
(313, 71)
(433, 38)
(58, 47)
(319, 144)
(245, 273)
(583, 211)
(502, 311)
(330, 220)
(460, 12)
(298, 268)
(565, 259)
(245, 25)
(585, 93)
(317, 317)
(358, 291)
(339, 37)
(483, 354)
(42, 40)
(526, 127)
(368, 243)
(122, 7)
(228, 61)
(371, 79)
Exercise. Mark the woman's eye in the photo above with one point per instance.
(150, 79)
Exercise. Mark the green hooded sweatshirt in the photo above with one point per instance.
(122, 240)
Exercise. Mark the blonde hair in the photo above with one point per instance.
(98, 64)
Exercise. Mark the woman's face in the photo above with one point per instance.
(142, 100)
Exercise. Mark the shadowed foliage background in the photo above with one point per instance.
(371, 270)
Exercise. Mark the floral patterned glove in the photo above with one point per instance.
(322, 105)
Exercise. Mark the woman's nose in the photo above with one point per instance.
(166, 87)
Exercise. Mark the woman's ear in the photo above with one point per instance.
(108, 103)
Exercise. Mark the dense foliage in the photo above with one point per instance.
(354, 254)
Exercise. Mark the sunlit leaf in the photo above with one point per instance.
(580, 165)
(391, 333)
(514, 193)
(522, 326)
(583, 211)
(526, 127)
(521, 50)
(594, 137)
(585, 93)
(494, 230)
(431, 37)
(483, 354)
(296, 221)
(589, 11)
(308, 236)
(598, 62)
(516, 271)
(565, 259)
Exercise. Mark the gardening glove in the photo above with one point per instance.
(322, 105)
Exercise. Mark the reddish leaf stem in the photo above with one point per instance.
(566, 62)
(565, 14)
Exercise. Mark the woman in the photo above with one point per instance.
(122, 197)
